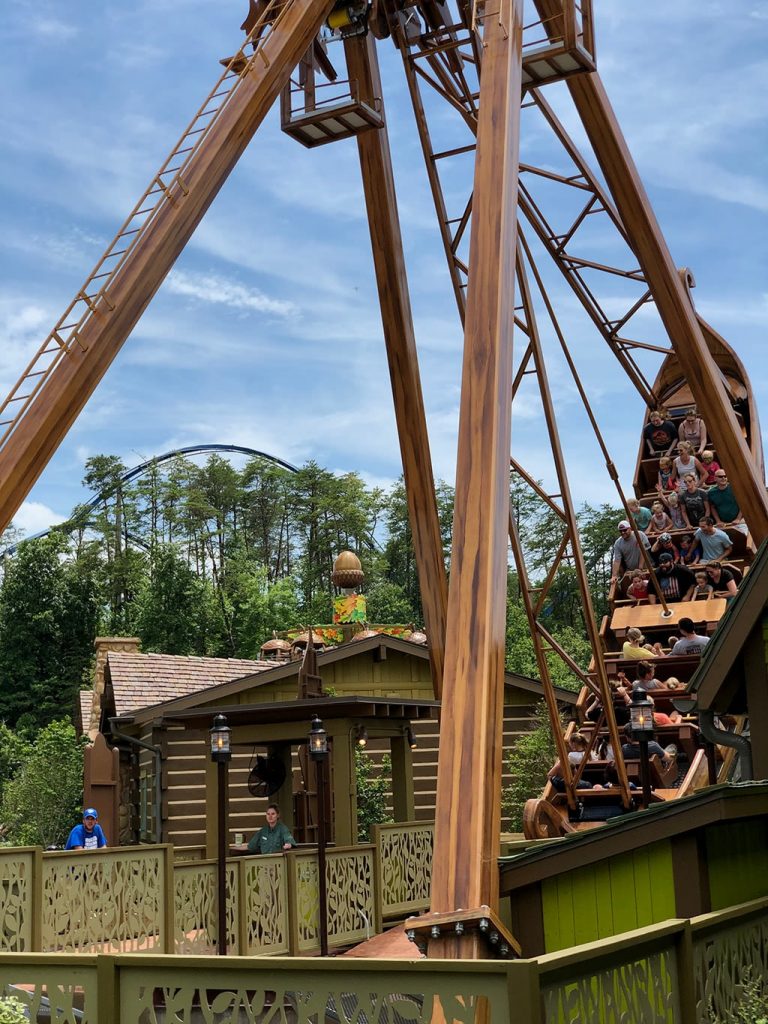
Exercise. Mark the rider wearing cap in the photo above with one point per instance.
(89, 835)
(626, 550)
(664, 545)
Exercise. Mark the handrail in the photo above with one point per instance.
(681, 969)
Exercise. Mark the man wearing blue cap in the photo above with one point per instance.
(89, 835)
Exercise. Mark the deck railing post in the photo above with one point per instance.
(685, 974)
(107, 989)
(378, 889)
(240, 907)
(168, 921)
(292, 864)
(35, 903)
(524, 992)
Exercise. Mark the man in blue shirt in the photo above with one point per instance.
(715, 544)
(89, 835)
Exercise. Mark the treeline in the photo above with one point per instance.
(211, 559)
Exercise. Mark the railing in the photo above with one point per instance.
(115, 901)
(404, 867)
(136, 899)
(678, 971)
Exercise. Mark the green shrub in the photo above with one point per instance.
(752, 1007)
(12, 1011)
(528, 763)
(372, 790)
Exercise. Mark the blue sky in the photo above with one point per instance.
(267, 333)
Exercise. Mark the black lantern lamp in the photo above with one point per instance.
(410, 738)
(361, 737)
(221, 748)
(641, 713)
(318, 740)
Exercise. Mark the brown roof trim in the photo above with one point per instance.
(732, 632)
(286, 669)
(631, 831)
(381, 708)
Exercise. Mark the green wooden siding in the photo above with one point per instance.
(605, 899)
(400, 676)
(737, 861)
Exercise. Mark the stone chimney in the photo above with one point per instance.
(103, 645)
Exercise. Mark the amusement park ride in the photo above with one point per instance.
(488, 63)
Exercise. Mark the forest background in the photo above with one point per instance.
(210, 560)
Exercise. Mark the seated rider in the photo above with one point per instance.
(674, 580)
(703, 589)
(637, 649)
(722, 501)
(715, 544)
(665, 546)
(638, 586)
(694, 431)
(660, 435)
(660, 521)
(640, 514)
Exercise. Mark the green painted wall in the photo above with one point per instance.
(737, 861)
(607, 898)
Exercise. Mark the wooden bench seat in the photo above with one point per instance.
(661, 777)
(682, 666)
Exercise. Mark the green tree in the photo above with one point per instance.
(43, 800)
(31, 615)
(387, 602)
(175, 608)
(49, 610)
(15, 748)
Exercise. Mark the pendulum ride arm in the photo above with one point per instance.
(673, 303)
(389, 261)
(468, 814)
(69, 365)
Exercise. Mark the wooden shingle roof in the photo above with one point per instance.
(144, 706)
(85, 705)
(141, 680)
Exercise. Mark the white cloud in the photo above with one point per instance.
(216, 290)
(52, 28)
(23, 327)
(34, 516)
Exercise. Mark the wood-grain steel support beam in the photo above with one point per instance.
(467, 820)
(399, 336)
(61, 399)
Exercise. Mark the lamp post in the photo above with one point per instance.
(318, 751)
(641, 720)
(221, 752)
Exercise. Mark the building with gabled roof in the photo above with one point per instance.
(157, 708)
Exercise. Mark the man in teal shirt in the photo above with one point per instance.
(723, 501)
(274, 837)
